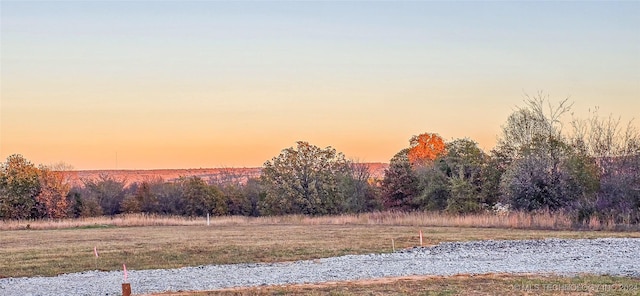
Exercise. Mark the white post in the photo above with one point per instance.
(208, 219)
(421, 238)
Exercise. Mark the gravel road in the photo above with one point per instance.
(614, 256)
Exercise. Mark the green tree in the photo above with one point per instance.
(433, 189)
(358, 193)
(231, 183)
(170, 197)
(254, 194)
(201, 198)
(540, 179)
(82, 203)
(543, 171)
(464, 165)
(464, 196)
(463, 157)
(491, 175)
(400, 183)
(130, 204)
(19, 186)
(146, 196)
(304, 180)
(236, 199)
(107, 191)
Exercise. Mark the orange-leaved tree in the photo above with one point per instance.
(425, 148)
(55, 185)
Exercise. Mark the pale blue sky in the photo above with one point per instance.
(199, 84)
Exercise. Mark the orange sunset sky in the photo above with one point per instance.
(181, 84)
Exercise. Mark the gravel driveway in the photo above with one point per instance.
(614, 256)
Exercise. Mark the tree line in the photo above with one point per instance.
(584, 167)
(322, 182)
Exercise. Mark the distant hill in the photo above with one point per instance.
(223, 174)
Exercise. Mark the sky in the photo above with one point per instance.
(180, 84)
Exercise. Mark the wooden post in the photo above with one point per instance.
(207, 219)
(393, 245)
(126, 289)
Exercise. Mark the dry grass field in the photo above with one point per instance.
(56, 249)
(48, 248)
(512, 220)
(490, 284)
